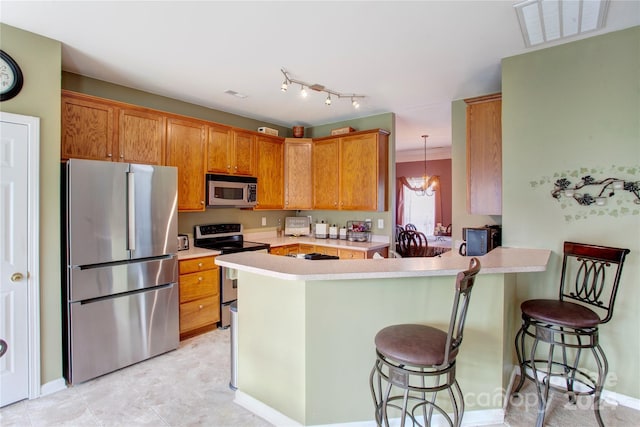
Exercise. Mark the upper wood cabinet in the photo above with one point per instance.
(142, 136)
(326, 175)
(298, 177)
(484, 155)
(270, 172)
(98, 129)
(351, 172)
(186, 145)
(231, 151)
(364, 171)
(88, 128)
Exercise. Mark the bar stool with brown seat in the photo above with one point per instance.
(586, 299)
(417, 361)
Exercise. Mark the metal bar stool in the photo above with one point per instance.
(586, 298)
(418, 361)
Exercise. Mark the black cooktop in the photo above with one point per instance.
(226, 238)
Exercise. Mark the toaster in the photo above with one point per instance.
(183, 242)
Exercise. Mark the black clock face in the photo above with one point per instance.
(10, 77)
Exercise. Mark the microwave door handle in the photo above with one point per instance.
(131, 211)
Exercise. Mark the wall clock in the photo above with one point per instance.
(10, 77)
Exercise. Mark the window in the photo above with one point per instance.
(419, 210)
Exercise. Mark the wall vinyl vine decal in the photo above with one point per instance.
(590, 196)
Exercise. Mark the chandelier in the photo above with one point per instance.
(428, 182)
(318, 88)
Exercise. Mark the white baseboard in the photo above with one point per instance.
(53, 387)
(610, 397)
(470, 418)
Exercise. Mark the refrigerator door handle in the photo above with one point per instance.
(131, 210)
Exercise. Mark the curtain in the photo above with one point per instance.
(402, 182)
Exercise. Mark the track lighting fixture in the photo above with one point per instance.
(319, 88)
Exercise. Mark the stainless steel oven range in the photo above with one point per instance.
(228, 239)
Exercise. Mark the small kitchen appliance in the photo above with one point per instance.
(226, 238)
(480, 240)
(231, 191)
(321, 230)
(183, 242)
(296, 226)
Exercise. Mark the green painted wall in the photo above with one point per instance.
(575, 110)
(40, 59)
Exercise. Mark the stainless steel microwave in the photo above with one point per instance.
(231, 191)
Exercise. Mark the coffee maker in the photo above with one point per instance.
(480, 240)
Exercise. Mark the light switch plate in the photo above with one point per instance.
(264, 221)
(380, 223)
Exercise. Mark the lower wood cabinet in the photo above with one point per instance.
(199, 296)
(305, 248)
(284, 250)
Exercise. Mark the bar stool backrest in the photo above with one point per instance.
(585, 279)
(464, 285)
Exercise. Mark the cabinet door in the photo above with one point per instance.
(298, 182)
(351, 254)
(484, 155)
(326, 184)
(87, 128)
(186, 150)
(359, 172)
(142, 137)
(244, 153)
(219, 149)
(270, 173)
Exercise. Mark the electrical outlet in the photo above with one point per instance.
(264, 221)
(380, 223)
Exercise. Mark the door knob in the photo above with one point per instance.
(3, 347)
(16, 277)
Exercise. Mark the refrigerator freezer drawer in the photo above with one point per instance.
(100, 281)
(111, 333)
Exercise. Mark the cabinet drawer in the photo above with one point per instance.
(326, 250)
(197, 264)
(349, 254)
(199, 313)
(199, 284)
(306, 249)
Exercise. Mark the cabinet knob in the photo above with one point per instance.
(199, 264)
(199, 279)
(109, 155)
(202, 202)
(228, 166)
(122, 156)
(201, 306)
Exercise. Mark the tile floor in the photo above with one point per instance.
(189, 387)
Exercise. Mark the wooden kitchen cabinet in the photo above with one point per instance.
(88, 128)
(231, 151)
(326, 173)
(141, 137)
(484, 155)
(351, 254)
(326, 250)
(186, 142)
(199, 295)
(360, 177)
(270, 172)
(304, 248)
(364, 171)
(298, 176)
(284, 250)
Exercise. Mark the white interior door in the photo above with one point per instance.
(16, 259)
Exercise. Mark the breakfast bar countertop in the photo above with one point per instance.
(499, 260)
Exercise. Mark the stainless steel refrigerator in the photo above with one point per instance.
(120, 291)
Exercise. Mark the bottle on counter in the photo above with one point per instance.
(279, 229)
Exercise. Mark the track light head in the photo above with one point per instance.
(284, 86)
(328, 100)
(303, 92)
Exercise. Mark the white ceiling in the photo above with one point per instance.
(411, 58)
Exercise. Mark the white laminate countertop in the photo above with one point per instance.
(194, 252)
(308, 240)
(499, 260)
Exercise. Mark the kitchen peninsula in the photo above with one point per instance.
(306, 328)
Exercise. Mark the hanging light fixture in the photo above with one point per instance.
(426, 188)
(319, 88)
